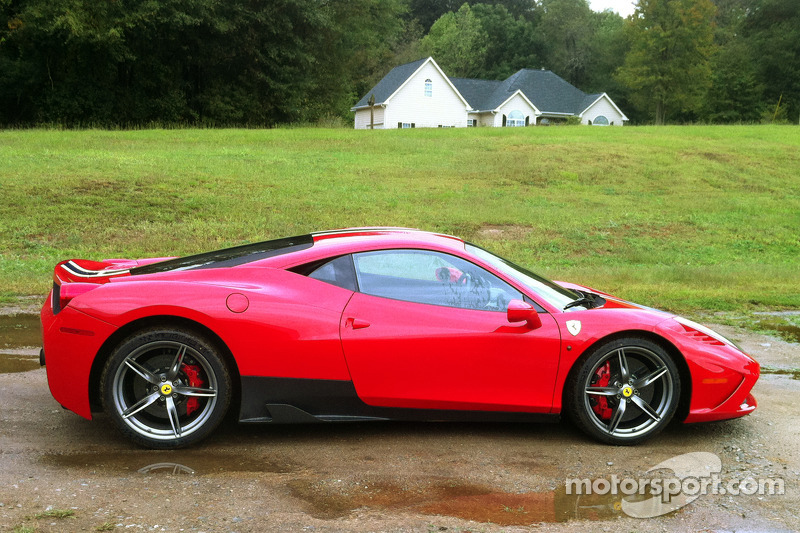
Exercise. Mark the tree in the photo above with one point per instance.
(735, 93)
(238, 62)
(352, 56)
(458, 42)
(772, 31)
(426, 12)
(567, 28)
(512, 43)
(668, 69)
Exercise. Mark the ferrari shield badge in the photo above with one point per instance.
(574, 327)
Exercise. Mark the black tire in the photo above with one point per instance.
(166, 388)
(620, 405)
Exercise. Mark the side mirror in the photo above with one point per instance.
(519, 311)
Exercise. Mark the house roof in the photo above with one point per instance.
(391, 82)
(589, 100)
(547, 91)
(476, 92)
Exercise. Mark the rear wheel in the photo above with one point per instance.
(166, 388)
(624, 391)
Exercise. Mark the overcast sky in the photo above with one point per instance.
(623, 7)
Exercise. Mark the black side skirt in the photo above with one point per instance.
(302, 401)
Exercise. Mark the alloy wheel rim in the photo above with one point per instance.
(152, 390)
(639, 392)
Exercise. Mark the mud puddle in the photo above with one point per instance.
(20, 331)
(786, 324)
(180, 462)
(787, 332)
(20, 340)
(334, 499)
(793, 373)
(18, 362)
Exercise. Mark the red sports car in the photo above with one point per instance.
(372, 324)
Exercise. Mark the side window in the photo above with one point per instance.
(433, 278)
(337, 272)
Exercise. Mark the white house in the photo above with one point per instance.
(421, 95)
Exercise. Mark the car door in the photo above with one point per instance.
(430, 330)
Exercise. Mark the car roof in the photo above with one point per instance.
(289, 251)
(349, 240)
(378, 233)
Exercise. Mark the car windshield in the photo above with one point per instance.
(555, 295)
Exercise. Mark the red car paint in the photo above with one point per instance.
(396, 353)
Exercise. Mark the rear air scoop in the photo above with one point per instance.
(74, 277)
(86, 271)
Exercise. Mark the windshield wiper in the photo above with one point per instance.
(587, 300)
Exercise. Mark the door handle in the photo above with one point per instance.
(356, 323)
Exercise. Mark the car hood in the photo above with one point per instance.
(613, 302)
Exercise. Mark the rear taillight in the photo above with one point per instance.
(64, 293)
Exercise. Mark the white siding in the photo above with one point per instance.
(516, 102)
(602, 107)
(484, 119)
(362, 118)
(410, 104)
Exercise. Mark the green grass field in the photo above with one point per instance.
(689, 219)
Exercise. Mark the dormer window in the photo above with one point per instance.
(428, 88)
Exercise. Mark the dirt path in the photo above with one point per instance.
(382, 476)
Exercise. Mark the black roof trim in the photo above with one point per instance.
(230, 257)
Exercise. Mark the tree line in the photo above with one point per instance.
(131, 63)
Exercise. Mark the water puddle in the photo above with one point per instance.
(329, 500)
(18, 362)
(787, 332)
(20, 341)
(179, 462)
(793, 373)
(20, 331)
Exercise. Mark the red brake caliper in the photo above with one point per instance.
(600, 403)
(193, 375)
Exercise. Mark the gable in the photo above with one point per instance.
(519, 101)
(390, 83)
(602, 103)
(398, 77)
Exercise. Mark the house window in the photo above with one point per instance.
(471, 122)
(403, 125)
(428, 88)
(600, 121)
(515, 119)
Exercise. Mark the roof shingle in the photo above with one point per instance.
(546, 90)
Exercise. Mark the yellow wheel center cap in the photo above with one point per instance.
(627, 392)
(166, 389)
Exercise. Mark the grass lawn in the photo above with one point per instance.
(689, 219)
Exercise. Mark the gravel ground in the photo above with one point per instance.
(382, 476)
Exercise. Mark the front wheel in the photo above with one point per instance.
(624, 391)
(166, 388)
